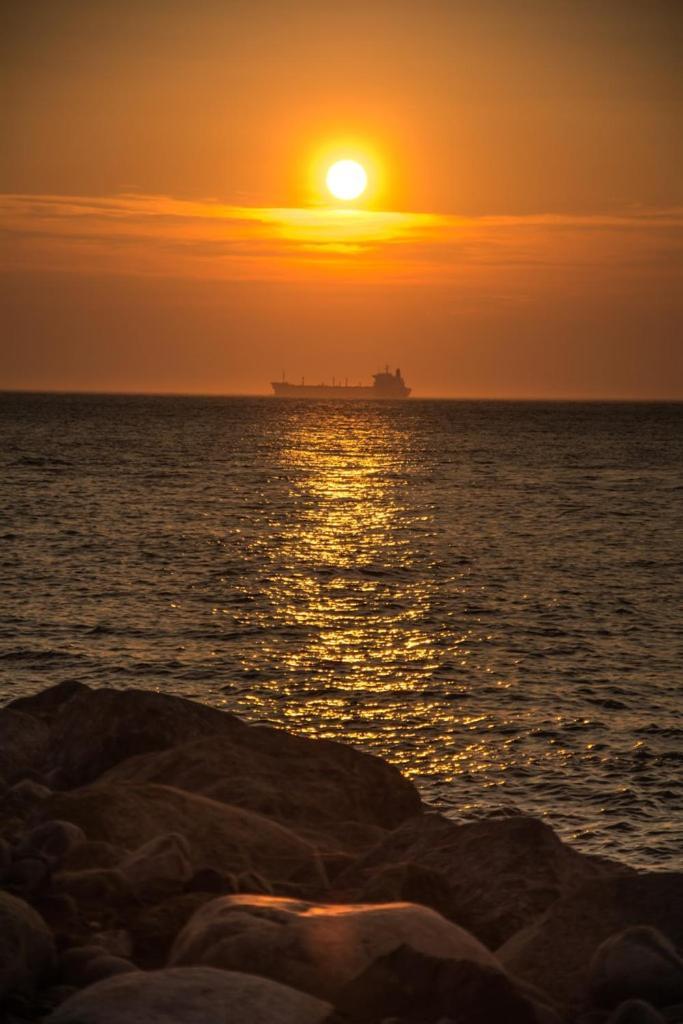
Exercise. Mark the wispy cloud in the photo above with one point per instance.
(159, 235)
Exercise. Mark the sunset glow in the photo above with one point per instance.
(412, 177)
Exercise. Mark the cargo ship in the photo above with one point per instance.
(386, 385)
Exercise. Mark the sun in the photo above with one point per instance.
(346, 179)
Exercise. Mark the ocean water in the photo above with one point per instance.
(488, 594)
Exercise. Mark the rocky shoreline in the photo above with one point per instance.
(163, 862)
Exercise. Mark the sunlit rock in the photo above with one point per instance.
(26, 946)
(189, 995)
(636, 963)
(556, 951)
(318, 948)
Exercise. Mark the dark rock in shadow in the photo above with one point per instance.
(638, 963)
(26, 946)
(229, 839)
(501, 873)
(189, 995)
(556, 951)
(420, 988)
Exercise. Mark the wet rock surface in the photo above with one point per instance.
(163, 862)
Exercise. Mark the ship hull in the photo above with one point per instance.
(348, 392)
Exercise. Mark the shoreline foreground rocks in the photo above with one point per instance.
(163, 862)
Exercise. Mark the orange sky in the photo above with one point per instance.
(166, 227)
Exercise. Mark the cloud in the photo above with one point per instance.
(163, 236)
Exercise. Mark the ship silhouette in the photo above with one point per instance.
(386, 385)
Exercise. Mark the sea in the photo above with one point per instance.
(487, 594)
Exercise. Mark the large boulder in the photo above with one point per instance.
(26, 946)
(555, 952)
(318, 948)
(229, 839)
(412, 986)
(638, 963)
(189, 995)
(23, 745)
(92, 730)
(502, 873)
(316, 784)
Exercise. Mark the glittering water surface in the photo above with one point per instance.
(487, 594)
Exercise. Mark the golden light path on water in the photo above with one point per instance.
(354, 575)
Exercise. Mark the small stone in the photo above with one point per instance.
(116, 941)
(52, 840)
(73, 962)
(24, 795)
(106, 966)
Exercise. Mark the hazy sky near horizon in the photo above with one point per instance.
(165, 225)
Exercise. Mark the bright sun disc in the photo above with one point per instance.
(346, 179)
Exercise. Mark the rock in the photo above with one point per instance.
(189, 995)
(409, 883)
(208, 880)
(53, 840)
(158, 868)
(27, 876)
(26, 946)
(58, 910)
(318, 948)
(228, 839)
(93, 730)
(106, 966)
(502, 872)
(413, 986)
(73, 963)
(97, 887)
(5, 857)
(116, 941)
(93, 853)
(57, 994)
(638, 963)
(304, 783)
(635, 1011)
(154, 929)
(44, 704)
(23, 744)
(555, 952)
(23, 796)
